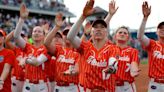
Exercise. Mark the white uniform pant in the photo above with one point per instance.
(40, 87)
(71, 88)
(51, 86)
(127, 87)
(155, 87)
(16, 85)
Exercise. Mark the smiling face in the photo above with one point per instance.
(122, 34)
(99, 31)
(38, 34)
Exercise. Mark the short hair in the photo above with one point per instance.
(41, 29)
(160, 24)
(124, 27)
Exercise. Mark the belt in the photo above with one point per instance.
(36, 81)
(64, 84)
(96, 89)
(122, 83)
(158, 80)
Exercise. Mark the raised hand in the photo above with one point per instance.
(23, 11)
(146, 9)
(46, 28)
(59, 19)
(112, 8)
(88, 9)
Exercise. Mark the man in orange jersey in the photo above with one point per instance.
(128, 62)
(66, 58)
(98, 56)
(36, 53)
(7, 59)
(155, 52)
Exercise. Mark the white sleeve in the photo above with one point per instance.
(17, 34)
(41, 59)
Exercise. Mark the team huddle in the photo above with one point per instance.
(61, 61)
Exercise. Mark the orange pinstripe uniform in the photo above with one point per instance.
(65, 57)
(156, 59)
(33, 72)
(92, 65)
(126, 57)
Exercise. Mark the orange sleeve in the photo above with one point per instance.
(10, 58)
(83, 46)
(147, 48)
(135, 57)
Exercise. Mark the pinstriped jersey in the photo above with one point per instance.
(155, 51)
(126, 57)
(65, 59)
(36, 72)
(93, 63)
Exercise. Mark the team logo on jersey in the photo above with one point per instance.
(40, 49)
(62, 58)
(1, 59)
(124, 58)
(158, 55)
(91, 60)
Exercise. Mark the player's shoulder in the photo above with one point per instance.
(113, 46)
(133, 49)
(86, 42)
(8, 51)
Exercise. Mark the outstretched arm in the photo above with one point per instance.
(52, 33)
(8, 42)
(112, 10)
(17, 32)
(140, 34)
(72, 34)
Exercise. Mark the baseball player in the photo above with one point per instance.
(128, 62)
(66, 58)
(7, 59)
(36, 53)
(99, 58)
(58, 40)
(17, 70)
(155, 52)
